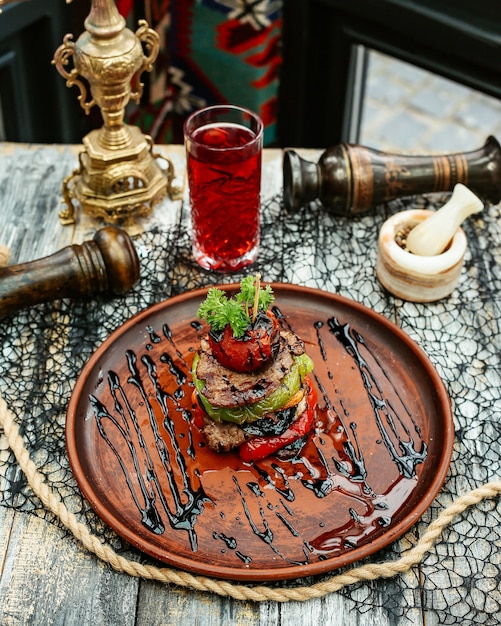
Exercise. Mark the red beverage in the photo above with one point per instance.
(224, 175)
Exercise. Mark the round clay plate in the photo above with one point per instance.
(377, 458)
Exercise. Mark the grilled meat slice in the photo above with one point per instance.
(222, 436)
(226, 388)
(295, 344)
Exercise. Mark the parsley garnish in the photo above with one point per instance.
(218, 310)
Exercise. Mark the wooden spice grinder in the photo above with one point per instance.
(107, 264)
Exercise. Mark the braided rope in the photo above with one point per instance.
(224, 588)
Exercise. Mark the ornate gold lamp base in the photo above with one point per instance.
(119, 177)
(117, 185)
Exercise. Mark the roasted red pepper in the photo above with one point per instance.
(197, 411)
(258, 448)
(251, 351)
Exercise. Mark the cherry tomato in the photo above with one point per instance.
(251, 351)
(258, 448)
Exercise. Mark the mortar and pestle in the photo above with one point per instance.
(421, 252)
(107, 264)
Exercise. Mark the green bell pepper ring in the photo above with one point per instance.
(290, 384)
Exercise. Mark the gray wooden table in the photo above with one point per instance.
(48, 578)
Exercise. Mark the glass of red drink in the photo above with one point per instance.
(223, 150)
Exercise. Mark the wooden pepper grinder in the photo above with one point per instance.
(351, 179)
(106, 264)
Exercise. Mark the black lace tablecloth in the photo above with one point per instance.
(43, 349)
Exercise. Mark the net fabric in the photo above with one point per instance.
(43, 349)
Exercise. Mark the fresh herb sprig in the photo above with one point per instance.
(240, 311)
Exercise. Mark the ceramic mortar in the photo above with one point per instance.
(413, 277)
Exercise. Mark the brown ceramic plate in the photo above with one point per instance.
(378, 457)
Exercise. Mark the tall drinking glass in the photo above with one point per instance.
(223, 150)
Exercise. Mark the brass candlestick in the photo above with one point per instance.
(119, 176)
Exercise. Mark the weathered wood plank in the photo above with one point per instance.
(31, 181)
(47, 578)
(161, 606)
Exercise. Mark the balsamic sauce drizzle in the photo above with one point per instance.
(334, 463)
(410, 456)
(149, 514)
(266, 535)
(188, 501)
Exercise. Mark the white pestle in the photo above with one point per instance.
(431, 236)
